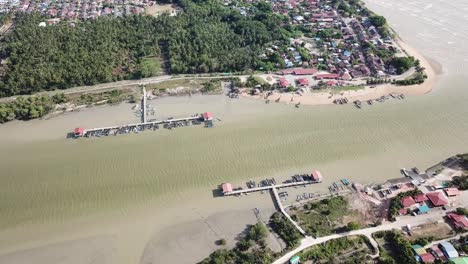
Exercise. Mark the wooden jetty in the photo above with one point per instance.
(136, 127)
(269, 187)
(169, 123)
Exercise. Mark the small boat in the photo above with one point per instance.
(357, 103)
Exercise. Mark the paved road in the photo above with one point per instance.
(433, 216)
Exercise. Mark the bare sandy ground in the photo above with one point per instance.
(433, 69)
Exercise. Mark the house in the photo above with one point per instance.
(304, 71)
(407, 201)
(452, 192)
(420, 198)
(326, 76)
(448, 249)
(437, 198)
(418, 251)
(458, 221)
(302, 82)
(283, 83)
(226, 188)
(427, 258)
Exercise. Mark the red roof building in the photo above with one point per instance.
(346, 76)
(207, 116)
(327, 76)
(79, 131)
(435, 250)
(305, 71)
(452, 191)
(407, 201)
(420, 198)
(226, 187)
(459, 221)
(331, 83)
(427, 258)
(283, 83)
(302, 82)
(437, 198)
(317, 176)
(289, 71)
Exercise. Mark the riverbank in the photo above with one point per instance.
(432, 70)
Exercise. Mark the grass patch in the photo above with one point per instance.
(352, 249)
(112, 97)
(172, 84)
(323, 217)
(150, 66)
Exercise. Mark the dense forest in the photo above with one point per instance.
(207, 37)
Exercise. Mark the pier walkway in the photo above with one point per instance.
(156, 122)
(143, 107)
(280, 206)
(277, 200)
(265, 188)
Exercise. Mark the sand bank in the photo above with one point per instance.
(323, 98)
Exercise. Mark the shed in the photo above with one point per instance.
(294, 260)
(207, 116)
(448, 249)
(317, 176)
(452, 192)
(79, 132)
(226, 187)
(437, 198)
(423, 209)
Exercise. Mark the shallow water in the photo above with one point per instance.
(47, 178)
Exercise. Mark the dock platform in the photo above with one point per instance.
(264, 188)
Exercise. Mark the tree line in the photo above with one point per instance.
(207, 37)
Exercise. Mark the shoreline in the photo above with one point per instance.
(367, 93)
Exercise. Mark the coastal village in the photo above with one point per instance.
(426, 211)
(340, 47)
(57, 10)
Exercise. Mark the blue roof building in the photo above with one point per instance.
(347, 53)
(294, 260)
(449, 250)
(423, 209)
